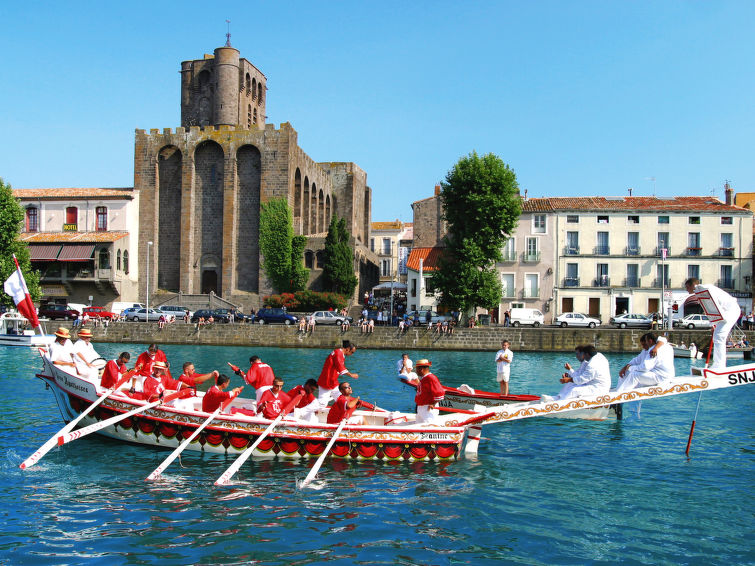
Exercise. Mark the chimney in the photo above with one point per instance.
(630, 191)
(729, 192)
(437, 190)
(525, 194)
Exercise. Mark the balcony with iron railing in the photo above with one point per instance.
(659, 282)
(602, 281)
(694, 251)
(571, 281)
(508, 255)
(726, 252)
(632, 250)
(530, 257)
(632, 282)
(571, 250)
(659, 250)
(507, 293)
(602, 250)
(726, 283)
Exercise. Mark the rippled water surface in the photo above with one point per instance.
(541, 491)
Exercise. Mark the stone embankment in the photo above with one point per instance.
(385, 338)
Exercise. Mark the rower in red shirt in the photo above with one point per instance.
(259, 375)
(308, 405)
(215, 396)
(146, 359)
(429, 392)
(273, 400)
(332, 369)
(114, 370)
(344, 407)
(192, 379)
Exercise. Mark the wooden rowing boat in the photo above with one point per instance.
(382, 436)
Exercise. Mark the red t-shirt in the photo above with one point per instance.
(112, 372)
(147, 361)
(214, 398)
(429, 390)
(335, 365)
(190, 381)
(306, 400)
(273, 406)
(340, 410)
(259, 375)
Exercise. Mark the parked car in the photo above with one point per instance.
(207, 313)
(225, 315)
(126, 313)
(53, 312)
(520, 316)
(120, 306)
(275, 315)
(576, 319)
(627, 320)
(144, 315)
(434, 316)
(694, 321)
(97, 312)
(176, 310)
(329, 317)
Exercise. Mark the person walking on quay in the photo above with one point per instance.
(503, 359)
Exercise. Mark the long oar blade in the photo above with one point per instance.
(53, 441)
(173, 455)
(313, 472)
(236, 466)
(76, 434)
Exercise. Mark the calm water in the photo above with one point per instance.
(540, 491)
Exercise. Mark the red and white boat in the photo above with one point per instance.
(383, 436)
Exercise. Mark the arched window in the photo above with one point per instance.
(72, 219)
(254, 89)
(309, 259)
(259, 93)
(255, 116)
(118, 260)
(104, 259)
(248, 84)
(320, 259)
(249, 116)
(125, 261)
(32, 219)
(101, 218)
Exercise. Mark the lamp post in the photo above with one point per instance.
(149, 245)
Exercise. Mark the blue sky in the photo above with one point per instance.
(579, 98)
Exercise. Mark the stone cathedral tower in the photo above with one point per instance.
(202, 184)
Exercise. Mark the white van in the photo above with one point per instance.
(520, 316)
(119, 306)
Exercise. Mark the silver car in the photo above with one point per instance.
(141, 315)
(694, 321)
(631, 321)
(329, 317)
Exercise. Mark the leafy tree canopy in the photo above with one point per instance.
(11, 222)
(480, 198)
(281, 250)
(338, 268)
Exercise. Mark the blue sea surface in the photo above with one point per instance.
(540, 491)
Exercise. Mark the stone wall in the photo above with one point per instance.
(474, 339)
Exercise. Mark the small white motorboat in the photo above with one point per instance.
(15, 331)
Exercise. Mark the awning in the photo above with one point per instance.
(387, 286)
(47, 252)
(76, 252)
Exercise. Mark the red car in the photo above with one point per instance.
(97, 312)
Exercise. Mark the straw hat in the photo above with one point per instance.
(85, 333)
(160, 365)
(423, 363)
(63, 333)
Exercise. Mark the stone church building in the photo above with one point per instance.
(202, 184)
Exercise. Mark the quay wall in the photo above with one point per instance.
(385, 338)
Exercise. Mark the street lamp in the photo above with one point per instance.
(149, 245)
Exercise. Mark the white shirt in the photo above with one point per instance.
(597, 372)
(61, 352)
(404, 367)
(727, 304)
(662, 364)
(86, 350)
(504, 365)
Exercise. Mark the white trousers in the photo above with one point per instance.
(325, 395)
(426, 414)
(635, 379)
(720, 334)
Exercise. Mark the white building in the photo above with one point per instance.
(83, 242)
(391, 242)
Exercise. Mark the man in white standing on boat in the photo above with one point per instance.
(594, 379)
(655, 363)
(728, 308)
(503, 359)
(85, 354)
(61, 351)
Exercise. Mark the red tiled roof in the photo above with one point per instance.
(72, 237)
(639, 204)
(430, 257)
(74, 193)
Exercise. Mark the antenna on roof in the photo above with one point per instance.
(228, 34)
(630, 191)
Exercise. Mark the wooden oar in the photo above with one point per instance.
(53, 441)
(173, 455)
(699, 398)
(236, 466)
(76, 434)
(313, 472)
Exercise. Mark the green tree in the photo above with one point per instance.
(281, 250)
(338, 268)
(480, 198)
(11, 221)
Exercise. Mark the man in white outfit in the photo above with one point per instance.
(593, 379)
(729, 309)
(652, 365)
(503, 359)
(85, 354)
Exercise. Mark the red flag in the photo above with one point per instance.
(15, 286)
